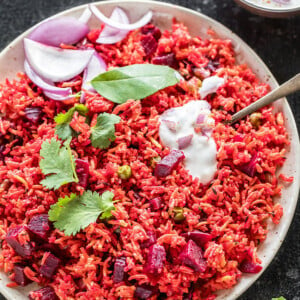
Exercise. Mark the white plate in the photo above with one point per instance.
(11, 62)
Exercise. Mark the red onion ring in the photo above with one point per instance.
(85, 16)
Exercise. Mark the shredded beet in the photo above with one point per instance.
(49, 265)
(40, 226)
(82, 170)
(156, 259)
(167, 60)
(33, 114)
(238, 138)
(155, 203)
(250, 167)
(151, 240)
(168, 163)
(200, 238)
(149, 44)
(119, 272)
(20, 277)
(151, 29)
(18, 238)
(45, 293)
(144, 291)
(192, 256)
(248, 266)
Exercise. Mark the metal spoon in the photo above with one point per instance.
(287, 88)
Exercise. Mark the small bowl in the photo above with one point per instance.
(270, 8)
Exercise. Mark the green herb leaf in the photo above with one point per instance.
(104, 131)
(58, 162)
(71, 214)
(63, 129)
(134, 82)
(280, 298)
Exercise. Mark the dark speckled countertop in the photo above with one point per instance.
(276, 41)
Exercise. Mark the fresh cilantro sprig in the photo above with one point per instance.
(58, 163)
(62, 120)
(103, 133)
(73, 213)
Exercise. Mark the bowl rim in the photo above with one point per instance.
(229, 33)
(266, 9)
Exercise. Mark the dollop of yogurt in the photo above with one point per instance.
(189, 129)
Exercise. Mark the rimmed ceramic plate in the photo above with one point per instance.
(11, 62)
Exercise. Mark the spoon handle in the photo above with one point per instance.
(289, 87)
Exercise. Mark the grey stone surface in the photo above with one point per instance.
(277, 42)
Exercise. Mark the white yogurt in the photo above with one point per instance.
(200, 154)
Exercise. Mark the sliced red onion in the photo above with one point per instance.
(172, 125)
(46, 85)
(121, 26)
(95, 67)
(210, 85)
(54, 63)
(110, 35)
(85, 16)
(67, 30)
(185, 141)
(57, 97)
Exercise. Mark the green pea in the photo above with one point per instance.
(124, 172)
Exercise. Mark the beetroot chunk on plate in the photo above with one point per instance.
(33, 114)
(20, 277)
(149, 44)
(167, 60)
(82, 170)
(40, 226)
(250, 167)
(45, 293)
(155, 203)
(151, 29)
(156, 259)
(168, 163)
(49, 265)
(144, 292)
(150, 241)
(199, 237)
(18, 238)
(119, 272)
(248, 266)
(192, 256)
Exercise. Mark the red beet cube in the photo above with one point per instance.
(150, 241)
(119, 272)
(248, 266)
(18, 238)
(167, 60)
(192, 256)
(40, 226)
(33, 114)
(49, 265)
(20, 277)
(82, 170)
(155, 260)
(151, 29)
(168, 163)
(149, 44)
(46, 293)
(200, 238)
(250, 167)
(155, 203)
(144, 291)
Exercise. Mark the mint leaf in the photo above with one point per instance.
(134, 82)
(71, 214)
(63, 129)
(57, 162)
(103, 133)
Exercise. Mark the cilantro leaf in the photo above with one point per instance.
(71, 214)
(63, 129)
(280, 298)
(104, 131)
(57, 162)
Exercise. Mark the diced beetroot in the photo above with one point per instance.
(49, 265)
(155, 203)
(119, 272)
(167, 60)
(144, 291)
(250, 167)
(149, 44)
(18, 238)
(45, 293)
(151, 29)
(33, 114)
(40, 226)
(20, 277)
(184, 141)
(2, 149)
(156, 259)
(248, 266)
(168, 163)
(199, 237)
(151, 240)
(82, 170)
(192, 256)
